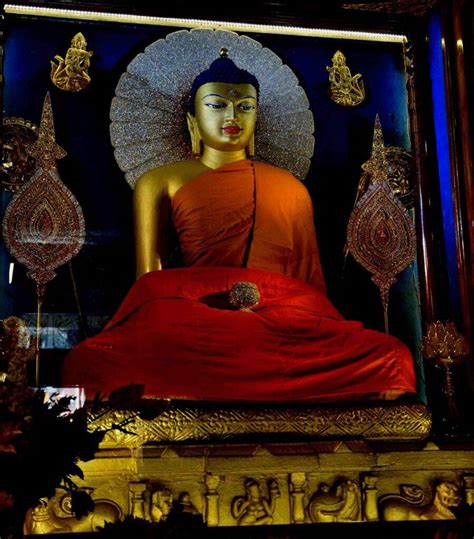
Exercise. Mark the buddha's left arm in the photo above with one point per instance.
(151, 210)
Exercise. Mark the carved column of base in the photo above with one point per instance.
(369, 498)
(137, 491)
(212, 499)
(298, 484)
(468, 481)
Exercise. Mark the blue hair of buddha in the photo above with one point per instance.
(222, 70)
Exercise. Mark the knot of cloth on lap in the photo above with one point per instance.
(244, 295)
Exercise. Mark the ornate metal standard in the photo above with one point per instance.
(446, 347)
(380, 232)
(43, 225)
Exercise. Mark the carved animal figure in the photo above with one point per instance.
(56, 517)
(407, 506)
(340, 505)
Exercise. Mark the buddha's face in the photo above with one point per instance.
(226, 115)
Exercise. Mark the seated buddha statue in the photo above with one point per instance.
(236, 220)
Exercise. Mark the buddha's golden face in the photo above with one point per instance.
(226, 115)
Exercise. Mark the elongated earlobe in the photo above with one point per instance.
(195, 135)
(250, 149)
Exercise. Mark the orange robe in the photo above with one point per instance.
(176, 333)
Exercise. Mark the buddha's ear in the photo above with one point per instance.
(250, 149)
(195, 135)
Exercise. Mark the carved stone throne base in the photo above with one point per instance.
(245, 465)
(272, 483)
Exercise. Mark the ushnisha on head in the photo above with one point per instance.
(223, 109)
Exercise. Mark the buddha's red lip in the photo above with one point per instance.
(232, 130)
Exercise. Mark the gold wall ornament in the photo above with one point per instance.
(345, 89)
(70, 73)
(380, 233)
(43, 226)
(255, 509)
(446, 347)
(17, 165)
(339, 503)
(410, 504)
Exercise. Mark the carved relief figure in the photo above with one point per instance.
(255, 509)
(161, 503)
(410, 505)
(338, 504)
(185, 505)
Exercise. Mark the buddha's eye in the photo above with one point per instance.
(215, 105)
(246, 106)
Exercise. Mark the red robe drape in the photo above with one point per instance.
(176, 333)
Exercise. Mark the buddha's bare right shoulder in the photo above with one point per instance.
(168, 177)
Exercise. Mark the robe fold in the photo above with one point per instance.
(176, 333)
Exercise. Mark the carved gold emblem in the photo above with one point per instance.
(344, 88)
(70, 73)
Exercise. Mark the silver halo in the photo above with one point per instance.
(148, 112)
